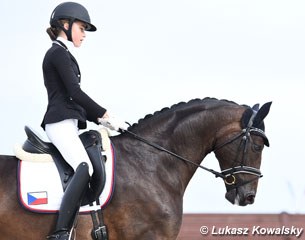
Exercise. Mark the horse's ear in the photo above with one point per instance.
(255, 107)
(261, 114)
(246, 118)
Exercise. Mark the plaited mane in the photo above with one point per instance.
(178, 106)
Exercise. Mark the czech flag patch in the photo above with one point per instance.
(37, 198)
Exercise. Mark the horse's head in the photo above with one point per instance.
(239, 150)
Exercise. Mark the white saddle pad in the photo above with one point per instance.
(40, 188)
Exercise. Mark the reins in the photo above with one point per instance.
(217, 174)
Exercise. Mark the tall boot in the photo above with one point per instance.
(98, 178)
(93, 143)
(71, 202)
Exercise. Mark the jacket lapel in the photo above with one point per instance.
(72, 57)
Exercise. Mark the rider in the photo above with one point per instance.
(69, 107)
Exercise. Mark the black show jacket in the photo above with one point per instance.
(66, 100)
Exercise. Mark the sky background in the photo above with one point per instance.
(150, 54)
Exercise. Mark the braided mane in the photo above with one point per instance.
(178, 106)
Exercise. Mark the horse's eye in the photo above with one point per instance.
(257, 148)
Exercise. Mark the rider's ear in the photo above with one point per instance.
(261, 114)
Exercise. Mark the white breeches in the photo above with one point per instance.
(65, 136)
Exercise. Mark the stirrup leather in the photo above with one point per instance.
(99, 231)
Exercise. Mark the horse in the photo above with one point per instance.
(156, 159)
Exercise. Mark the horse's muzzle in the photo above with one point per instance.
(240, 199)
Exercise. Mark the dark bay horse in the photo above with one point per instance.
(150, 183)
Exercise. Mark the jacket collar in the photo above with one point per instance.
(69, 46)
(65, 43)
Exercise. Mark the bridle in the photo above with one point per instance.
(228, 175)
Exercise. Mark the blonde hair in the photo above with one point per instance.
(53, 32)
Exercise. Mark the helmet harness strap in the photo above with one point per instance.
(68, 31)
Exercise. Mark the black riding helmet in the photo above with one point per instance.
(71, 11)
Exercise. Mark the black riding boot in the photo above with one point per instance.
(71, 202)
(98, 178)
(93, 143)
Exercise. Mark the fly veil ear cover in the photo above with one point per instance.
(253, 118)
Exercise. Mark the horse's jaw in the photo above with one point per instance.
(240, 199)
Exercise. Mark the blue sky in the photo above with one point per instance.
(147, 55)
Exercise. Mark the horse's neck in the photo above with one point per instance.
(190, 133)
(182, 133)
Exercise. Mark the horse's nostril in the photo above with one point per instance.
(250, 198)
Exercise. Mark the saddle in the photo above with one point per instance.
(93, 144)
(36, 197)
